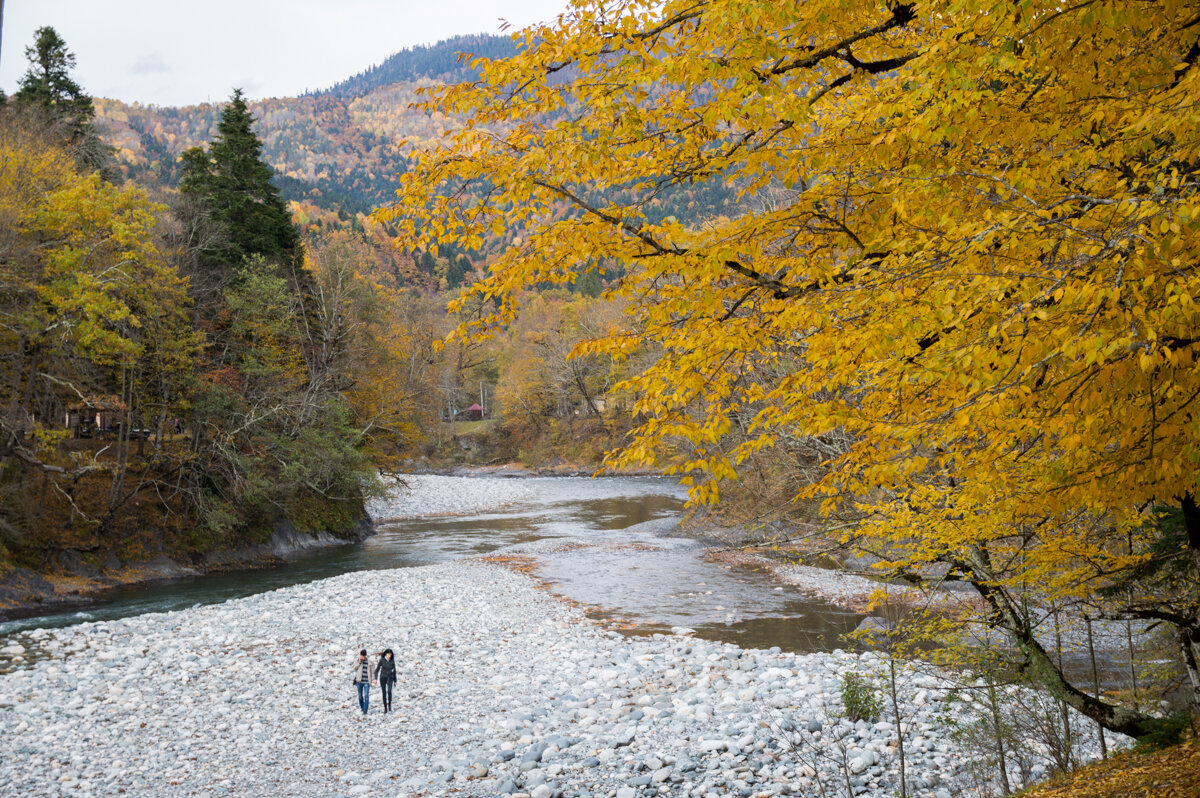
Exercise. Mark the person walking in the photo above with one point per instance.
(362, 680)
(385, 674)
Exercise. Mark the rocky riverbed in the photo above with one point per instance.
(435, 494)
(504, 691)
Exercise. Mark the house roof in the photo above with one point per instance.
(101, 402)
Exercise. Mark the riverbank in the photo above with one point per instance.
(503, 690)
(25, 592)
(1074, 639)
(419, 495)
(835, 583)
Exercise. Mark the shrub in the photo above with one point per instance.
(860, 698)
(1167, 732)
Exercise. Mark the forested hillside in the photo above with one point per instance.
(343, 149)
(340, 149)
(441, 62)
(341, 153)
(185, 378)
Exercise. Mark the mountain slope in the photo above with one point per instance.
(341, 149)
(339, 153)
(444, 62)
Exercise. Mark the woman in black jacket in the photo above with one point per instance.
(385, 673)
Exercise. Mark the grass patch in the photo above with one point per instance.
(470, 427)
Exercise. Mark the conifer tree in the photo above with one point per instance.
(233, 184)
(48, 82)
(48, 87)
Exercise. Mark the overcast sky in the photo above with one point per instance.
(181, 52)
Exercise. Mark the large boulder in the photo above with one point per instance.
(873, 631)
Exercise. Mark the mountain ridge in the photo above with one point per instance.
(444, 62)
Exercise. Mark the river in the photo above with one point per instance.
(616, 566)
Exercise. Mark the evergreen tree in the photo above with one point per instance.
(47, 86)
(457, 270)
(48, 83)
(428, 263)
(233, 184)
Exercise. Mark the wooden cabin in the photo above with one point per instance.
(94, 415)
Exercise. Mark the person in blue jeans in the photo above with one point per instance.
(363, 680)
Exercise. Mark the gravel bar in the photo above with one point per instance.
(503, 691)
(432, 494)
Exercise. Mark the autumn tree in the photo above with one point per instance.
(91, 306)
(979, 259)
(373, 343)
(144, 411)
(541, 378)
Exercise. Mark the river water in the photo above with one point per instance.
(615, 565)
(596, 542)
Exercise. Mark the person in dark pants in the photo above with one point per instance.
(385, 674)
(362, 680)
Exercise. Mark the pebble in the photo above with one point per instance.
(432, 494)
(503, 690)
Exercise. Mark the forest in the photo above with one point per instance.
(908, 285)
(192, 360)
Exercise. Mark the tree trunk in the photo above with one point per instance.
(1039, 665)
(1095, 684)
(899, 724)
(591, 405)
(1068, 740)
(1187, 647)
(998, 728)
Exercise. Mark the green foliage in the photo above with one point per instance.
(48, 88)
(456, 271)
(860, 698)
(48, 81)
(233, 183)
(1166, 732)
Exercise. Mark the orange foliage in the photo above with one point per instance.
(1173, 773)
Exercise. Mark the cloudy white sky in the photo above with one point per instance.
(181, 52)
